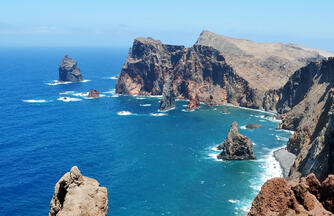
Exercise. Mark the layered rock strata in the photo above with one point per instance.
(306, 197)
(69, 70)
(77, 195)
(236, 146)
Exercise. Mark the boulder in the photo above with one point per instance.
(93, 93)
(69, 70)
(236, 146)
(252, 126)
(77, 195)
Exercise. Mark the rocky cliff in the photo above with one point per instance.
(69, 70)
(216, 70)
(236, 146)
(168, 98)
(306, 197)
(78, 195)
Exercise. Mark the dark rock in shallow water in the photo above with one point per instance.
(69, 70)
(78, 195)
(168, 98)
(252, 126)
(94, 93)
(236, 146)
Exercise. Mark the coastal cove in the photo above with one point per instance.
(152, 163)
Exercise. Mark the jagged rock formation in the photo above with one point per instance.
(236, 146)
(69, 70)
(217, 69)
(77, 195)
(193, 103)
(168, 98)
(306, 197)
(93, 93)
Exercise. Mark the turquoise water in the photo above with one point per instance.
(152, 164)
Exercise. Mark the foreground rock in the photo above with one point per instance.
(236, 146)
(306, 197)
(77, 195)
(168, 98)
(252, 126)
(93, 93)
(69, 70)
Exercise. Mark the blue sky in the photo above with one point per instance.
(117, 23)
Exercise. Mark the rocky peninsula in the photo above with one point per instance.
(69, 70)
(236, 146)
(76, 194)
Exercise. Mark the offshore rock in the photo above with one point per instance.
(168, 98)
(93, 93)
(305, 197)
(252, 126)
(69, 70)
(236, 146)
(77, 195)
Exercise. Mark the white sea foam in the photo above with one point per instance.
(35, 101)
(81, 94)
(123, 113)
(214, 156)
(112, 77)
(282, 138)
(234, 201)
(158, 114)
(243, 127)
(115, 95)
(111, 91)
(145, 105)
(56, 82)
(257, 110)
(66, 92)
(286, 131)
(68, 99)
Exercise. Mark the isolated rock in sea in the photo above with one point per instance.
(306, 197)
(168, 98)
(252, 126)
(78, 195)
(69, 70)
(236, 146)
(93, 93)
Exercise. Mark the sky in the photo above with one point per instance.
(116, 23)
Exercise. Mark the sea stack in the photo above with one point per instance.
(69, 70)
(168, 98)
(236, 146)
(78, 195)
(93, 93)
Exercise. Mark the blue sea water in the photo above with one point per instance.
(152, 164)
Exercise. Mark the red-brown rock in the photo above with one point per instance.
(193, 103)
(94, 93)
(306, 197)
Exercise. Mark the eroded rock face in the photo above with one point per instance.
(93, 93)
(236, 146)
(77, 195)
(168, 97)
(306, 197)
(193, 103)
(69, 70)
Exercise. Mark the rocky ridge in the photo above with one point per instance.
(69, 70)
(78, 195)
(236, 146)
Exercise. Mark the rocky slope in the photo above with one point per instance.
(168, 98)
(77, 195)
(236, 146)
(306, 197)
(69, 70)
(216, 70)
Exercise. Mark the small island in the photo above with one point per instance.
(69, 70)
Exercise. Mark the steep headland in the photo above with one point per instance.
(69, 70)
(76, 194)
(236, 146)
(216, 70)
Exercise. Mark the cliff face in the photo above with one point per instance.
(306, 105)
(78, 195)
(216, 70)
(69, 70)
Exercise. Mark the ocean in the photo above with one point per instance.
(151, 163)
